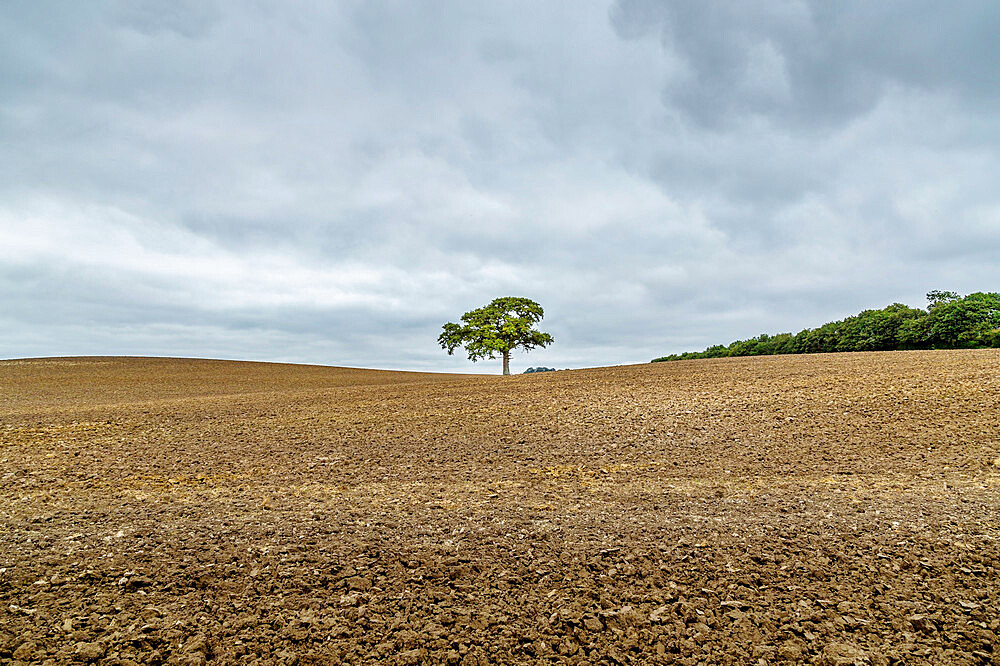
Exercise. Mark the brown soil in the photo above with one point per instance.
(831, 509)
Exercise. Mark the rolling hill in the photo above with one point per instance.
(834, 508)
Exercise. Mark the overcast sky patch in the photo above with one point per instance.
(330, 184)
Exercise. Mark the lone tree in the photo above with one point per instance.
(497, 328)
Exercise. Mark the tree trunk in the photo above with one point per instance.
(506, 363)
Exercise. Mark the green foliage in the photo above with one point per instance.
(950, 321)
(498, 328)
(936, 297)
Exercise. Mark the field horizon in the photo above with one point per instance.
(828, 508)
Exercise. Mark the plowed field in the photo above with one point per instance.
(831, 509)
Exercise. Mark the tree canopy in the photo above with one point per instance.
(949, 322)
(498, 328)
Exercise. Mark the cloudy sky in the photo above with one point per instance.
(331, 182)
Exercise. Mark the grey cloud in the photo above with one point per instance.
(191, 19)
(813, 64)
(331, 183)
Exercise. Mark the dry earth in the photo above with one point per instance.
(830, 509)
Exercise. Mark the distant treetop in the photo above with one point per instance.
(949, 322)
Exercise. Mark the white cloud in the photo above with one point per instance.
(332, 183)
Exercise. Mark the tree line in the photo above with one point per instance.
(950, 321)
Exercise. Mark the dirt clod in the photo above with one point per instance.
(25, 651)
(843, 654)
(89, 651)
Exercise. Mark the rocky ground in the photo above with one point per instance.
(829, 509)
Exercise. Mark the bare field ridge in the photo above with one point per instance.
(830, 509)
